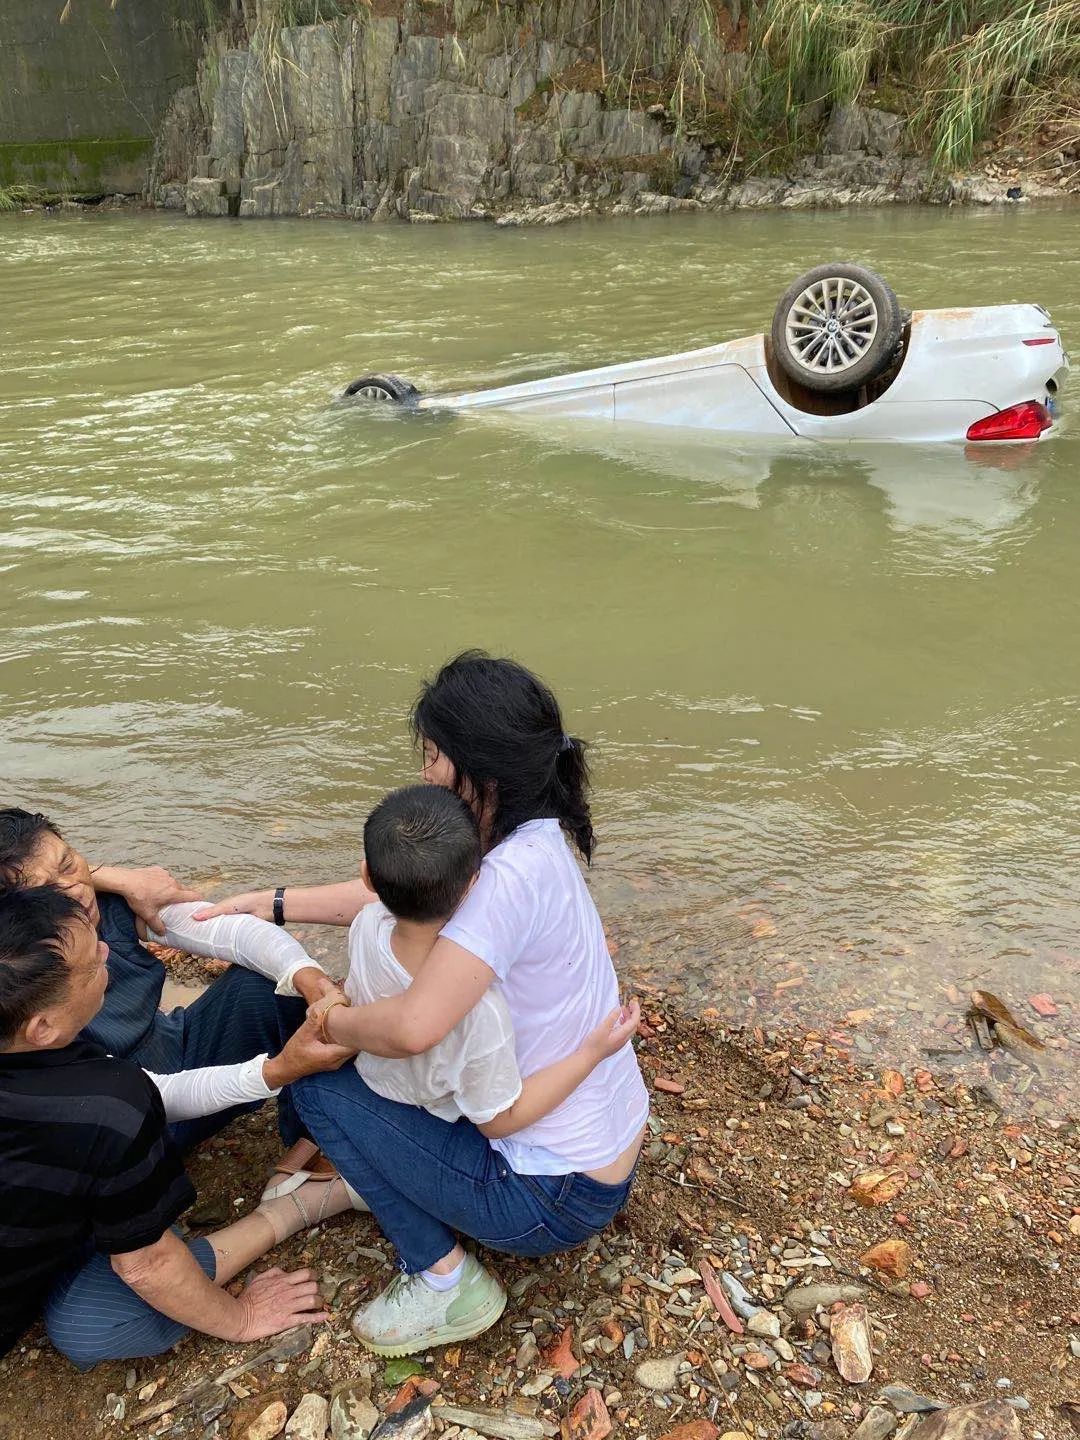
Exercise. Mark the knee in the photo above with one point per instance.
(77, 1333)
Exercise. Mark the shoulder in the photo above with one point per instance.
(368, 926)
(526, 859)
(123, 1095)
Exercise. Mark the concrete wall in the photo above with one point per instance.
(80, 102)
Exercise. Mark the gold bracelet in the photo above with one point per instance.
(337, 1000)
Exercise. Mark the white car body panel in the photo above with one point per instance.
(960, 366)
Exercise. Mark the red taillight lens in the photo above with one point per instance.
(1018, 422)
(1042, 340)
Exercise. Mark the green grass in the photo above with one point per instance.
(969, 61)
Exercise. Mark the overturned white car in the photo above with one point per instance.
(843, 361)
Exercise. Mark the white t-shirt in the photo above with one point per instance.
(471, 1072)
(530, 917)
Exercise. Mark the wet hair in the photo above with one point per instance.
(20, 835)
(502, 730)
(422, 847)
(33, 970)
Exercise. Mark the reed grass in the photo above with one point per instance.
(970, 61)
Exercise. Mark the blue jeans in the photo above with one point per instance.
(238, 1016)
(91, 1315)
(425, 1179)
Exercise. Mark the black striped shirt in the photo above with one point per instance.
(86, 1163)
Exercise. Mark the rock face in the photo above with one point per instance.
(467, 110)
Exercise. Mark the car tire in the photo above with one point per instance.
(837, 328)
(382, 387)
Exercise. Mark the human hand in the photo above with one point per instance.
(613, 1032)
(326, 1003)
(275, 1301)
(147, 889)
(313, 984)
(251, 902)
(304, 1053)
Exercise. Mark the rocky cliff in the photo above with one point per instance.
(522, 111)
(518, 110)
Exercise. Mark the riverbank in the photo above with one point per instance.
(946, 1228)
(543, 113)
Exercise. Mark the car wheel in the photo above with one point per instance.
(837, 328)
(382, 387)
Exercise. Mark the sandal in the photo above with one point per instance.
(302, 1162)
(356, 1201)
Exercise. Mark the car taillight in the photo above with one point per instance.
(1042, 340)
(1018, 422)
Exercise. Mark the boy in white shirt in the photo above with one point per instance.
(422, 854)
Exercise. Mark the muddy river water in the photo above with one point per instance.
(834, 692)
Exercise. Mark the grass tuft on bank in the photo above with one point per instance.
(965, 64)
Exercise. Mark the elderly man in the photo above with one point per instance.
(92, 1182)
(246, 1015)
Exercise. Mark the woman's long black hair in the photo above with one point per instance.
(502, 730)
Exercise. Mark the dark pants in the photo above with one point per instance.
(237, 1017)
(92, 1315)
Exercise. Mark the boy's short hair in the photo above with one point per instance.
(33, 970)
(422, 847)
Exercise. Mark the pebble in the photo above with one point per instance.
(764, 1323)
(310, 1419)
(851, 1350)
(659, 1374)
(907, 1401)
(352, 1415)
(741, 1300)
(269, 1423)
(1018, 1402)
(537, 1385)
(528, 1352)
(805, 1299)
(695, 1430)
(878, 1424)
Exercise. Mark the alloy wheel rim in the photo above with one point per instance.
(831, 325)
(375, 392)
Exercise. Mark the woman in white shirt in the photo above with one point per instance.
(492, 732)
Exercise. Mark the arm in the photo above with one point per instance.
(146, 889)
(267, 949)
(169, 1278)
(304, 904)
(548, 1088)
(189, 1094)
(449, 984)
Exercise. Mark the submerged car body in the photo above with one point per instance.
(991, 373)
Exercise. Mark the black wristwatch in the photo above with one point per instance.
(279, 905)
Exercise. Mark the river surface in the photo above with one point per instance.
(834, 693)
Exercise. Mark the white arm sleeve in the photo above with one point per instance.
(245, 940)
(190, 1094)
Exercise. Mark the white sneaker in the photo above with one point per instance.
(409, 1316)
